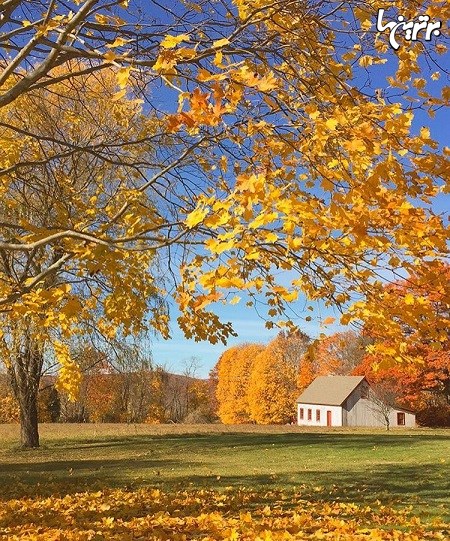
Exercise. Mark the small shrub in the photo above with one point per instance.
(200, 416)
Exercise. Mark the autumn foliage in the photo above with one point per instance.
(107, 396)
(234, 370)
(9, 409)
(424, 384)
(257, 383)
(229, 515)
(260, 384)
(238, 141)
(273, 389)
(286, 366)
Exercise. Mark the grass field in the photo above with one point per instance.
(400, 468)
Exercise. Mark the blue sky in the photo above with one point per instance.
(175, 352)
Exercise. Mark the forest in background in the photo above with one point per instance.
(250, 383)
(134, 390)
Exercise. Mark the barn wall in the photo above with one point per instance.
(363, 412)
(336, 415)
(410, 418)
(360, 412)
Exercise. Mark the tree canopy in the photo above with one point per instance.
(228, 140)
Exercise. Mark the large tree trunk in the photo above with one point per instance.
(25, 375)
(29, 432)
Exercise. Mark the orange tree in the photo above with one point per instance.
(234, 370)
(339, 353)
(269, 149)
(272, 387)
(425, 384)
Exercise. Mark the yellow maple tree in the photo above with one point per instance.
(234, 370)
(65, 184)
(274, 151)
(273, 388)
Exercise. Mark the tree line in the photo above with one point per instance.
(141, 392)
(257, 383)
(156, 154)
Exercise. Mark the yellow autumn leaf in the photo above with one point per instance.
(205, 300)
(110, 56)
(271, 237)
(355, 145)
(196, 217)
(218, 57)
(69, 376)
(218, 247)
(269, 82)
(122, 76)
(101, 19)
(119, 95)
(250, 256)
(220, 43)
(118, 42)
(409, 299)
(366, 60)
(169, 42)
(331, 124)
(425, 133)
(263, 219)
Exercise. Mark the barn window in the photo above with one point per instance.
(309, 415)
(317, 415)
(301, 413)
(364, 391)
(400, 418)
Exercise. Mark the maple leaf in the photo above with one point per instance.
(196, 217)
(122, 76)
(118, 42)
(331, 124)
(355, 145)
(220, 43)
(266, 83)
(169, 42)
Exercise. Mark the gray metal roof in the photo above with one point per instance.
(329, 390)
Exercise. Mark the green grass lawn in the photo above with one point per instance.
(402, 467)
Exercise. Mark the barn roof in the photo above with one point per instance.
(330, 390)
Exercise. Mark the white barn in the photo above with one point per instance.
(347, 401)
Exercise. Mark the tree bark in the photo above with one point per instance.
(29, 431)
(25, 375)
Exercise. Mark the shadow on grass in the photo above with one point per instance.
(175, 462)
(392, 485)
(252, 440)
(405, 484)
